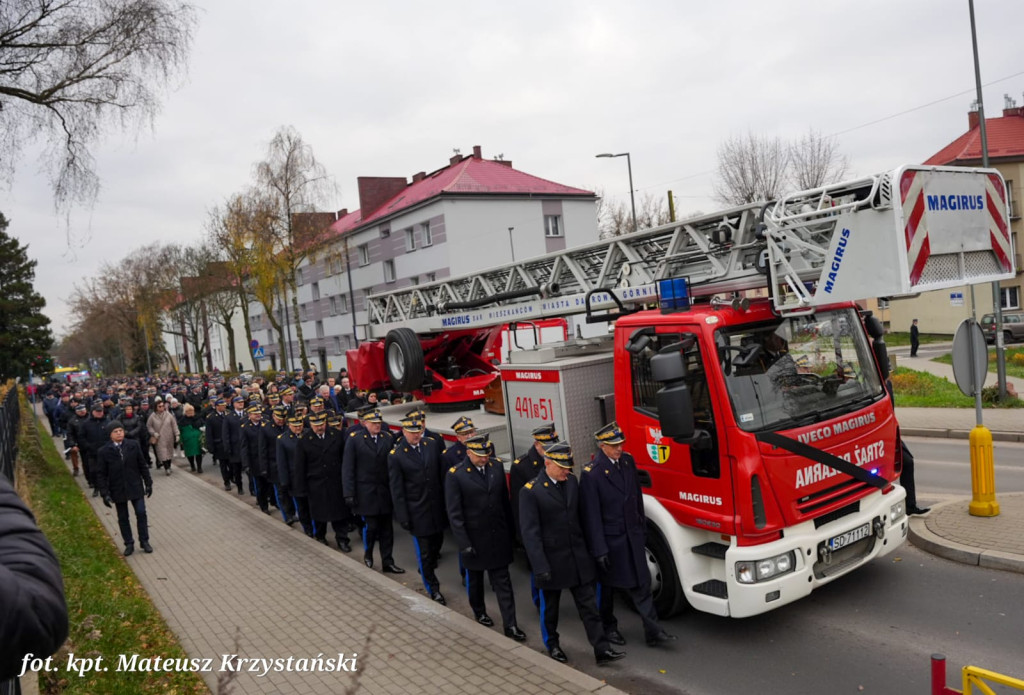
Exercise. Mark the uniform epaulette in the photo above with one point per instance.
(529, 485)
(392, 451)
(279, 436)
(353, 434)
(468, 469)
(588, 468)
(452, 469)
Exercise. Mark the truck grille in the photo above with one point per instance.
(829, 496)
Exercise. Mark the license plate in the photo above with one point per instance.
(845, 539)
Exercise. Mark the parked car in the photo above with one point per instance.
(1013, 327)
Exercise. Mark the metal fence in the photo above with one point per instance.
(10, 419)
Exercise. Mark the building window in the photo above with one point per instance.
(410, 240)
(343, 303)
(319, 329)
(389, 271)
(1011, 201)
(304, 311)
(883, 303)
(431, 277)
(428, 236)
(334, 306)
(385, 232)
(415, 280)
(1011, 297)
(337, 345)
(364, 254)
(552, 225)
(316, 290)
(298, 276)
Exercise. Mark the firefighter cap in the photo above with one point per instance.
(335, 419)
(610, 434)
(238, 399)
(371, 416)
(318, 419)
(479, 445)
(316, 400)
(256, 408)
(417, 414)
(296, 420)
(463, 425)
(545, 433)
(280, 410)
(365, 410)
(287, 391)
(560, 453)
(411, 424)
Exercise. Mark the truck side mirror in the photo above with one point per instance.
(675, 405)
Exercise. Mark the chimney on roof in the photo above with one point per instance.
(419, 176)
(476, 152)
(1010, 107)
(973, 119)
(340, 213)
(374, 191)
(455, 159)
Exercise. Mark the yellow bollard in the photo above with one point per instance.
(983, 474)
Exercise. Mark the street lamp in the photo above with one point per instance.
(629, 166)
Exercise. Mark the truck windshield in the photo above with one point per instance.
(798, 370)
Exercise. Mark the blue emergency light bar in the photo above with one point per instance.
(674, 295)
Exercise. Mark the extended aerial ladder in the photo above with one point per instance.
(901, 232)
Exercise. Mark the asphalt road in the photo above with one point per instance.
(869, 632)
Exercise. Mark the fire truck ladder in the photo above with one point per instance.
(789, 245)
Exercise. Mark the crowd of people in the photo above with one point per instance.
(288, 443)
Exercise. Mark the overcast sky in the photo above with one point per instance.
(390, 88)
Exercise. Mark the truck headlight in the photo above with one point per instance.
(753, 571)
(897, 511)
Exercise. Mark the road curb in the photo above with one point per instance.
(943, 433)
(922, 537)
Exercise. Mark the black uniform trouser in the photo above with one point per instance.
(302, 509)
(428, 550)
(378, 528)
(231, 471)
(125, 523)
(641, 596)
(320, 529)
(586, 606)
(263, 491)
(89, 467)
(284, 502)
(501, 585)
(907, 476)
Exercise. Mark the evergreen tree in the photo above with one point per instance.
(25, 337)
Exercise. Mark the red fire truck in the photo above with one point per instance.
(750, 386)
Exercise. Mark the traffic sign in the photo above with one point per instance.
(254, 344)
(257, 353)
(970, 357)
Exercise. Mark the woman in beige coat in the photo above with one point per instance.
(163, 434)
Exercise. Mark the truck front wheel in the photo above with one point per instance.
(665, 587)
(404, 358)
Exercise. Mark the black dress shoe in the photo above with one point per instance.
(392, 569)
(558, 655)
(485, 620)
(265, 511)
(322, 541)
(660, 638)
(344, 545)
(95, 492)
(437, 596)
(290, 521)
(608, 656)
(129, 549)
(367, 560)
(917, 511)
(146, 547)
(515, 633)
(227, 486)
(615, 637)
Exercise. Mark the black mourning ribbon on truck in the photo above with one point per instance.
(823, 457)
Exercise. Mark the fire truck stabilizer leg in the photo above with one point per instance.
(983, 476)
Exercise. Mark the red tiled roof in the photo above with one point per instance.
(471, 176)
(1005, 139)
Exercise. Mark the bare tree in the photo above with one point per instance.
(615, 217)
(70, 68)
(751, 168)
(815, 160)
(298, 183)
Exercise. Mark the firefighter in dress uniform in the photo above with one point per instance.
(481, 519)
(250, 454)
(269, 434)
(612, 513)
(231, 440)
(416, 480)
(524, 469)
(550, 524)
(287, 444)
(318, 458)
(367, 492)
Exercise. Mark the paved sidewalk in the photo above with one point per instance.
(230, 580)
(949, 531)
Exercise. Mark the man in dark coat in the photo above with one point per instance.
(367, 492)
(455, 454)
(481, 521)
(915, 338)
(318, 457)
(250, 455)
(75, 423)
(215, 439)
(91, 436)
(550, 524)
(612, 513)
(123, 477)
(231, 440)
(287, 444)
(34, 617)
(523, 470)
(416, 481)
(269, 434)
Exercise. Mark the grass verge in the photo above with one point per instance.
(903, 338)
(914, 389)
(1014, 361)
(110, 613)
